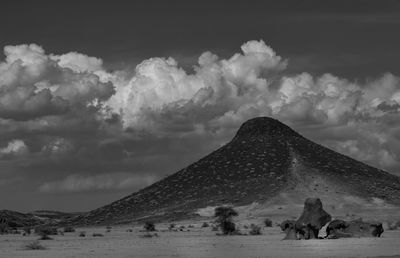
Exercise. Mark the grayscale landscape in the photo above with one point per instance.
(199, 129)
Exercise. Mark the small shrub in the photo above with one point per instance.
(190, 226)
(109, 228)
(149, 235)
(69, 229)
(97, 235)
(27, 230)
(129, 230)
(46, 230)
(82, 234)
(214, 228)
(224, 217)
(171, 226)
(44, 236)
(4, 228)
(268, 222)
(34, 246)
(255, 230)
(205, 225)
(149, 226)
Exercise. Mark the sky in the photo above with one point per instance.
(100, 99)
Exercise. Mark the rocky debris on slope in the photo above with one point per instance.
(255, 166)
(354, 228)
(13, 219)
(55, 215)
(16, 219)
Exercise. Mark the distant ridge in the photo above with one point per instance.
(264, 160)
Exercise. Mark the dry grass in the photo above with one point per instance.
(35, 246)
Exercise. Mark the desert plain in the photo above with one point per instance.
(195, 241)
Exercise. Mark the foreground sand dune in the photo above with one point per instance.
(198, 242)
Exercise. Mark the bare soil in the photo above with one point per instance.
(198, 242)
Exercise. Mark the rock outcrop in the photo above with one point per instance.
(354, 228)
(308, 225)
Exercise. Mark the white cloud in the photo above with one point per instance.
(221, 94)
(14, 147)
(71, 107)
(33, 84)
(78, 62)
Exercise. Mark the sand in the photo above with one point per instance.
(199, 242)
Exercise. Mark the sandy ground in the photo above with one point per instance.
(199, 242)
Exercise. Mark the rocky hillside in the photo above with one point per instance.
(266, 159)
(18, 219)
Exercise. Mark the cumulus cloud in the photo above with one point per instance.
(112, 181)
(34, 84)
(14, 147)
(73, 115)
(78, 62)
(221, 94)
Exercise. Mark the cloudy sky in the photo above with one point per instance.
(98, 100)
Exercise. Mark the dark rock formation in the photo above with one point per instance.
(354, 228)
(313, 218)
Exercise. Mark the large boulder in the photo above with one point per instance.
(313, 218)
(354, 228)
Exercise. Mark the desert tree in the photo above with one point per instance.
(149, 226)
(268, 222)
(224, 216)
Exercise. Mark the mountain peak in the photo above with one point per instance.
(264, 126)
(267, 161)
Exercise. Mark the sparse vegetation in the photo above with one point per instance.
(224, 215)
(35, 246)
(255, 230)
(205, 225)
(392, 226)
(69, 229)
(149, 235)
(44, 236)
(129, 230)
(97, 235)
(171, 226)
(4, 228)
(82, 234)
(48, 230)
(268, 222)
(149, 226)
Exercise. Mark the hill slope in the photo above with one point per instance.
(265, 160)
